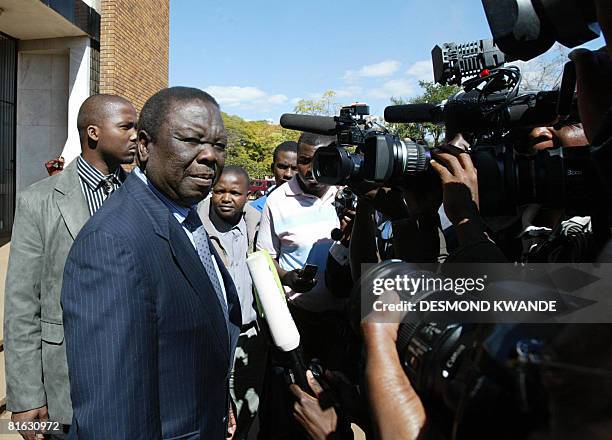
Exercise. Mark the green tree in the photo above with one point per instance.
(432, 94)
(250, 144)
(324, 106)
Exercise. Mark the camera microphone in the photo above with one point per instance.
(312, 124)
(407, 113)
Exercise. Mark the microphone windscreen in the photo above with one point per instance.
(312, 124)
(413, 113)
(272, 300)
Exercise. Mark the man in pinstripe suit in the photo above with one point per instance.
(49, 215)
(151, 314)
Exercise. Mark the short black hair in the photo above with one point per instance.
(237, 171)
(155, 110)
(284, 147)
(315, 139)
(95, 109)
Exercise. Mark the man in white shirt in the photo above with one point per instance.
(295, 229)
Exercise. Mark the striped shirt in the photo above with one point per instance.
(296, 230)
(96, 186)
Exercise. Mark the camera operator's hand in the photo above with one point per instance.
(319, 423)
(459, 186)
(594, 87)
(294, 280)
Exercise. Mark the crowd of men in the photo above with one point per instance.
(130, 312)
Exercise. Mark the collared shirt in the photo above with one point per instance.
(96, 186)
(234, 242)
(296, 230)
(180, 213)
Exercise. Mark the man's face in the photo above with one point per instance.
(542, 138)
(284, 167)
(304, 165)
(189, 154)
(229, 197)
(117, 134)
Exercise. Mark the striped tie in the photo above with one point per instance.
(202, 243)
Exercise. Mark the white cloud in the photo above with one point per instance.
(244, 97)
(379, 70)
(421, 70)
(395, 87)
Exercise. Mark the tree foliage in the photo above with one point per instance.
(250, 144)
(432, 94)
(324, 106)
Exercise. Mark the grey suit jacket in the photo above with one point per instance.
(49, 215)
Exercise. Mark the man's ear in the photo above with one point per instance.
(93, 132)
(272, 167)
(144, 141)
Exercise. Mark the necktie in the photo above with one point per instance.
(194, 225)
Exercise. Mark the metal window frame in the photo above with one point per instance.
(4, 236)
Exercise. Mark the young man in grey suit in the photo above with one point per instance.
(49, 215)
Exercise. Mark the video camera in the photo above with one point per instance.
(491, 100)
(494, 113)
(380, 157)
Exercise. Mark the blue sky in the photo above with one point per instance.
(259, 57)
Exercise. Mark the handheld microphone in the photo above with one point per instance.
(271, 297)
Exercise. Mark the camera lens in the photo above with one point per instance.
(335, 165)
(389, 159)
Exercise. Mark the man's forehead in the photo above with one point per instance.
(233, 178)
(286, 157)
(120, 111)
(195, 114)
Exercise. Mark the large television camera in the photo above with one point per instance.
(495, 113)
(379, 157)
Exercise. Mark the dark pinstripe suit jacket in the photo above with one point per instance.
(149, 351)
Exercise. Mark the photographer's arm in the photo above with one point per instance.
(397, 410)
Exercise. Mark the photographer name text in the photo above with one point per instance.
(467, 306)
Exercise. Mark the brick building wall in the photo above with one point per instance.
(134, 48)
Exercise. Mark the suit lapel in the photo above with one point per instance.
(191, 266)
(185, 255)
(70, 200)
